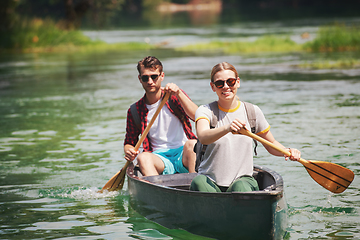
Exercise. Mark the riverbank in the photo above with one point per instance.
(92, 47)
(269, 43)
(329, 39)
(327, 64)
(40, 35)
(46, 36)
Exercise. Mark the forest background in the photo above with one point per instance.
(57, 25)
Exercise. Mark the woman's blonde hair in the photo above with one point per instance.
(221, 67)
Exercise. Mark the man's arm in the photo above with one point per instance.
(131, 137)
(189, 106)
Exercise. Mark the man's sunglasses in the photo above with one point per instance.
(230, 82)
(145, 78)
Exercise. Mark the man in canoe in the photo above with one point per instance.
(227, 164)
(168, 146)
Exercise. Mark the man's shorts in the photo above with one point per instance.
(172, 159)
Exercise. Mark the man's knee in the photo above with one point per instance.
(147, 159)
(188, 151)
(142, 158)
(150, 164)
(189, 156)
(189, 145)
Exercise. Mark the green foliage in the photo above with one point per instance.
(354, 101)
(263, 44)
(339, 64)
(329, 38)
(45, 35)
(336, 38)
(71, 10)
(152, 3)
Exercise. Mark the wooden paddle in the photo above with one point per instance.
(331, 176)
(117, 181)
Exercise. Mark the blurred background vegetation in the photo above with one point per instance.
(46, 24)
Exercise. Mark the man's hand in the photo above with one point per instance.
(172, 88)
(130, 154)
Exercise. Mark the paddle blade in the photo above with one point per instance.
(331, 176)
(113, 183)
(117, 181)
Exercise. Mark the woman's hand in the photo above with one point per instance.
(236, 125)
(295, 154)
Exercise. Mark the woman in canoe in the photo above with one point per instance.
(227, 164)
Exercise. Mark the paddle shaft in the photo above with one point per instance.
(147, 129)
(120, 176)
(246, 132)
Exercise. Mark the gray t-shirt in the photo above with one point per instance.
(230, 156)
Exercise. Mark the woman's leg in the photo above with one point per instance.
(202, 183)
(244, 184)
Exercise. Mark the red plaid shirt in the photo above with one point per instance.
(132, 132)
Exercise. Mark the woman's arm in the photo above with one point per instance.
(207, 135)
(295, 154)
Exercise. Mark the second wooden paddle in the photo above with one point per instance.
(331, 176)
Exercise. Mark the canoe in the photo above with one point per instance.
(167, 200)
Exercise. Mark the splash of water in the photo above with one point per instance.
(90, 193)
(79, 193)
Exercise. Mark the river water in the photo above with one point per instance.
(62, 119)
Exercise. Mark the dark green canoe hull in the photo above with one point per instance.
(165, 199)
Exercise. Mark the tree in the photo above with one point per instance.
(70, 11)
(7, 14)
(75, 11)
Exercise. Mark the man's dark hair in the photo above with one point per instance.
(150, 62)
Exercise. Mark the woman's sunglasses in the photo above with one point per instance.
(145, 78)
(230, 82)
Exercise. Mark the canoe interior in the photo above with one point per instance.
(266, 180)
(167, 200)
